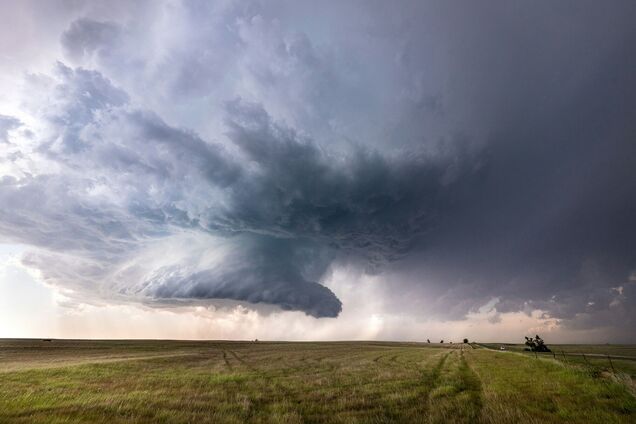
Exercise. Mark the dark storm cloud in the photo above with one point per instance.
(555, 193)
(282, 207)
(263, 270)
(463, 152)
(358, 200)
(548, 222)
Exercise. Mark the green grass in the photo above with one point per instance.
(346, 382)
(594, 361)
(602, 349)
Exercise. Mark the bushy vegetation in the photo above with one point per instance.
(536, 344)
(233, 382)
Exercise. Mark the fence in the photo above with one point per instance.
(563, 356)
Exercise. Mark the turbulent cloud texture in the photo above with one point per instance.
(271, 207)
(194, 152)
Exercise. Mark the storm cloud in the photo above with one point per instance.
(464, 155)
(275, 205)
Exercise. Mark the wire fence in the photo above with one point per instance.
(589, 359)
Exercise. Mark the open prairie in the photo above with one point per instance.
(336, 382)
(619, 359)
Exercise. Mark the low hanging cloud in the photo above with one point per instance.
(273, 207)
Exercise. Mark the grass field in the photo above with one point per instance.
(346, 382)
(590, 357)
(601, 349)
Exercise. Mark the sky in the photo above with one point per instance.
(281, 170)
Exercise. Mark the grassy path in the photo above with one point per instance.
(458, 396)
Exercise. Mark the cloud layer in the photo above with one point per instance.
(180, 152)
(271, 207)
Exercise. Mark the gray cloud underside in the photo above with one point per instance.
(284, 205)
(465, 153)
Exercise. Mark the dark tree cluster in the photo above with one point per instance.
(536, 344)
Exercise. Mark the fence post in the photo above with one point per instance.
(553, 354)
(535, 354)
(585, 359)
(609, 358)
(564, 358)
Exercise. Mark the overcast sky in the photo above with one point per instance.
(282, 170)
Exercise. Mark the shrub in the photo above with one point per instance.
(536, 344)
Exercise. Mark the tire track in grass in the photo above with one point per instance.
(254, 405)
(355, 390)
(433, 376)
(259, 405)
(242, 361)
(227, 363)
(377, 358)
(414, 409)
(473, 387)
(430, 380)
(458, 394)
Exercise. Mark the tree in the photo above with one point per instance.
(536, 344)
(465, 340)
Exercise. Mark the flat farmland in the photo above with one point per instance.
(64, 381)
(618, 359)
